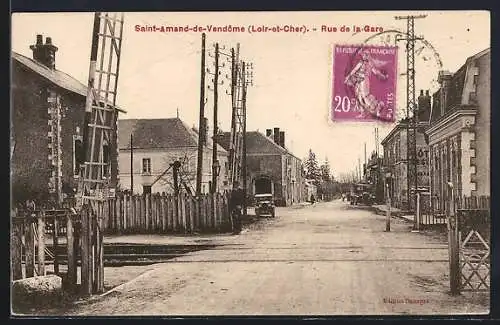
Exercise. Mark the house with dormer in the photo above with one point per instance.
(459, 131)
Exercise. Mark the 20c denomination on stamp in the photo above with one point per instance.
(364, 83)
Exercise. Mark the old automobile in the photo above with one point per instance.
(264, 205)
(362, 193)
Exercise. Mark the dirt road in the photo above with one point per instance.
(326, 259)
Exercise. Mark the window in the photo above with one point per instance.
(78, 154)
(146, 166)
(475, 80)
(146, 189)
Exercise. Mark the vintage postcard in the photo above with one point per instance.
(250, 163)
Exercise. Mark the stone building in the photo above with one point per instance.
(374, 176)
(395, 159)
(269, 160)
(47, 117)
(459, 131)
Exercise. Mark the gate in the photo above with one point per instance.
(429, 216)
(469, 242)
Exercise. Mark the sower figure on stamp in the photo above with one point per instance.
(359, 79)
(236, 202)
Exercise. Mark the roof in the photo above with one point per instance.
(257, 143)
(55, 76)
(166, 133)
(397, 127)
(456, 87)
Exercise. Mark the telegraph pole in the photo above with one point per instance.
(379, 172)
(388, 212)
(201, 123)
(365, 155)
(235, 120)
(244, 149)
(214, 140)
(175, 172)
(412, 123)
(234, 75)
(360, 172)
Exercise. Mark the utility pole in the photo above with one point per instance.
(131, 164)
(175, 172)
(201, 123)
(214, 140)
(388, 212)
(365, 156)
(359, 166)
(379, 172)
(412, 123)
(234, 75)
(236, 121)
(244, 149)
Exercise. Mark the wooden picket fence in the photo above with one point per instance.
(473, 202)
(31, 231)
(166, 213)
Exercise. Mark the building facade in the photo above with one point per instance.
(47, 121)
(374, 176)
(459, 132)
(149, 146)
(395, 161)
(267, 158)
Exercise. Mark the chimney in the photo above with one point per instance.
(269, 132)
(282, 139)
(44, 53)
(428, 98)
(444, 78)
(421, 109)
(276, 135)
(420, 102)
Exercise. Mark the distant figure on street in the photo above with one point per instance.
(312, 199)
(236, 202)
(343, 197)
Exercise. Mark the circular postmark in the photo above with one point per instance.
(371, 76)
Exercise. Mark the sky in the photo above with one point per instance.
(292, 83)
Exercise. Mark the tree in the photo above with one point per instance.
(325, 171)
(186, 175)
(311, 167)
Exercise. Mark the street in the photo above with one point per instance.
(326, 259)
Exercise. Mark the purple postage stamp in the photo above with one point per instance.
(364, 83)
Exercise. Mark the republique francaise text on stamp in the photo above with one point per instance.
(364, 83)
